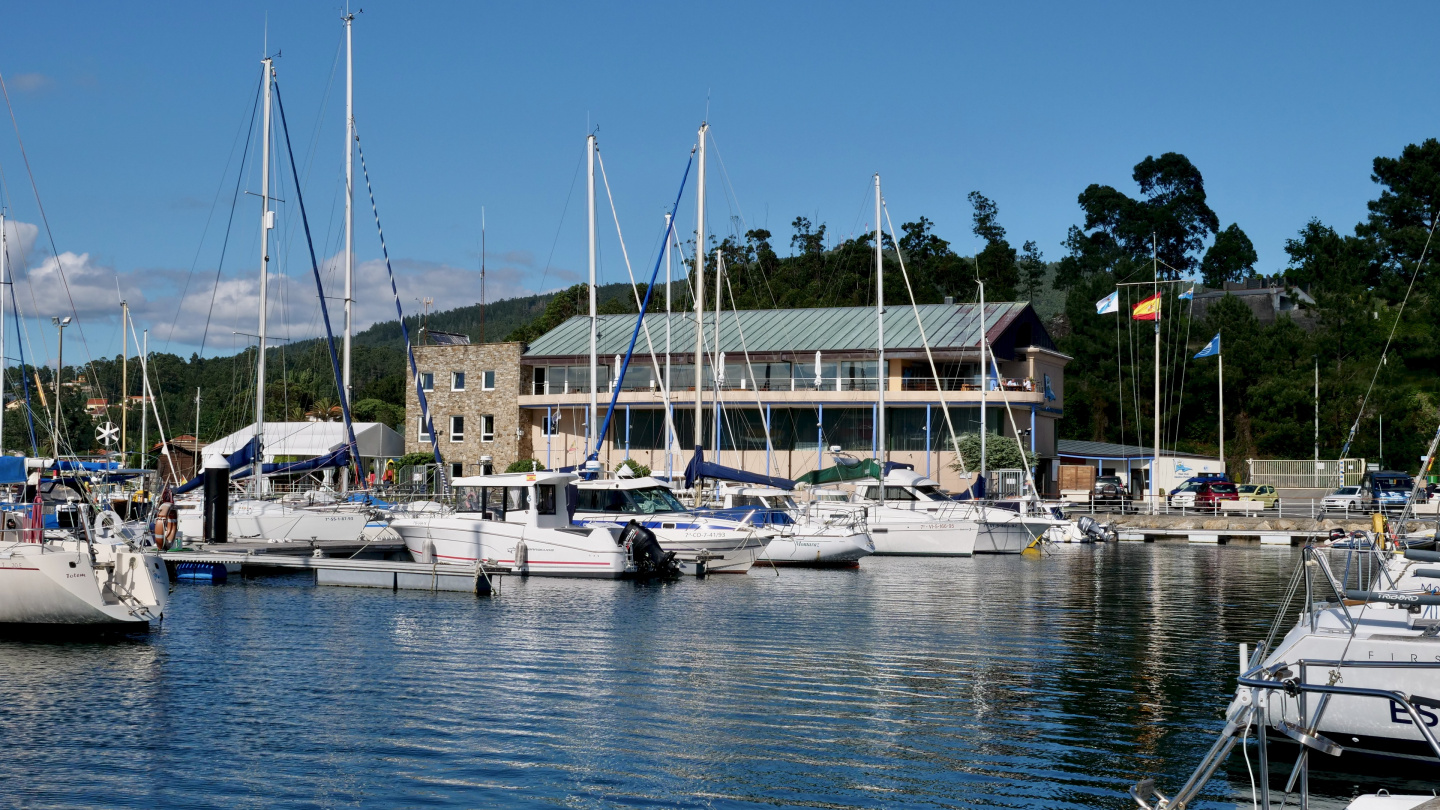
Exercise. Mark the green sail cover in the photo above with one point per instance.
(868, 468)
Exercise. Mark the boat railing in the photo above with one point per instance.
(1257, 686)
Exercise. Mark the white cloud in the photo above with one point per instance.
(30, 82)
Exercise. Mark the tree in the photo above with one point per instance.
(1001, 453)
(995, 264)
(1231, 258)
(524, 465)
(1032, 269)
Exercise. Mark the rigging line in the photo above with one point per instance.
(400, 314)
(50, 236)
(749, 369)
(20, 343)
(730, 187)
(1134, 378)
(1120, 383)
(1434, 220)
(925, 341)
(1184, 367)
(639, 305)
(559, 227)
(229, 225)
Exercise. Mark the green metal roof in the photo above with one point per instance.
(825, 329)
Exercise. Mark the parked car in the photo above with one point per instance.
(1344, 499)
(1211, 493)
(1109, 489)
(1184, 495)
(1264, 493)
(1388, 490)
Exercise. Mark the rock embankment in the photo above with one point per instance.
(1224, 523)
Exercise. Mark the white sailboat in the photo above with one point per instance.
(837, 538)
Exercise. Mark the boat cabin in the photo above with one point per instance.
(626, 496)
(901, 485)
(739, 497)
(540, 499)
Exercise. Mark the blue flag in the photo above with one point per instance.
(1211, 349)
(1188, 295)
(1110, 303)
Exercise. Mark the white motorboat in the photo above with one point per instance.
(56, 579)
(519, 520)
(729, 546)
(252, 520)
(1007, 528)
(803, 536)
(897, 531)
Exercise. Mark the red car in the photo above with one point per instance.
(1212, 493)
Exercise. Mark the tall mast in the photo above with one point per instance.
(719, 355)
(1155, 463)
(145, 397)
(984, 378)
(700, 301)
(267, 221)
(125, 378)
(881, 376)
(349, 199)
(4, 250)
(669, 417)
(594, 317)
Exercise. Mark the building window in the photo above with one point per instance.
(457, 428)
(424, 434)
(457, 469)
(550, 425)
(488, 381)
(427, 381)
(457, 381)
(487, 428)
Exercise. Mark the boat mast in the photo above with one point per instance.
(267, 221)
(1155, 463)
(349, 216)
(669, 417)
(124, 376)
(594, 318)
(719, 356)
(984, 379)
(4, 251)
(882, 378)
(699, 292)
(145, 397)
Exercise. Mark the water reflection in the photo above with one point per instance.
(996, 682)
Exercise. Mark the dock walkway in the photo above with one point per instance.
(360, 573)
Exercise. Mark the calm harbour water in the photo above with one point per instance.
(988, 682)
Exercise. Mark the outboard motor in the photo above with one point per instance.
(651, 561)
(1094, 530)
(1337, 534)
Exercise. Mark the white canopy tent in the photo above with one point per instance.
(302, 440)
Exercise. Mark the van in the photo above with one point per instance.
(1388, 490)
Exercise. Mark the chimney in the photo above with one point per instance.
(949, 300)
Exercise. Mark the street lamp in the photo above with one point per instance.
(60, 324)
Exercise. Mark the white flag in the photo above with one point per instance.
(1110, 303)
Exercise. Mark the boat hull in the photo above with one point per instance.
(547, 552)
(818, 549)
(271, 521)
(729, 550)
(55, 585)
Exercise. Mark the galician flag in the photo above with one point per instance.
(1211, 349)
(1148, 310)
(1108, 304)
(1188, 295)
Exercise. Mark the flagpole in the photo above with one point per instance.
(1221, 358)
(1155, 459)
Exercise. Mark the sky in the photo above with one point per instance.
(134, 118)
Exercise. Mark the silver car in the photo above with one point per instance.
(1344, 499)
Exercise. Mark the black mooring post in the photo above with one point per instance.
(217, 499)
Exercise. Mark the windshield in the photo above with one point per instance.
(1224, 489)
(1108, 479)
(1248, 488)
(1393, 484)
(1188, 486)
(931, 493)
(1347, 490)
(647, 501)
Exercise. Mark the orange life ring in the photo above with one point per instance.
(165, 525)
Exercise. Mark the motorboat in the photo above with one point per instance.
(803, 536)
(901, 531)
(727, 546)
(517, 520)
(100, 577)
(1007, 527)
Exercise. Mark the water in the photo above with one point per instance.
(989, 682)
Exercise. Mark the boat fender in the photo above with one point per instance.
(427, 554)
(165, 525)
(522, 554)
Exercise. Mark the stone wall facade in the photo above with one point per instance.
(507, 441)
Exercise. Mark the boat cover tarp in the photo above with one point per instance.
(12, 470)
(337, 458)
(845, 469)
(700, 468)
(976, 491)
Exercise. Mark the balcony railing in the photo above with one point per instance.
(1008, 384)
(1021, 384)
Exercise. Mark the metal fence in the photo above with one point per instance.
(1306, 473)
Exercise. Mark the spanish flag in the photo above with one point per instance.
(1147, 310)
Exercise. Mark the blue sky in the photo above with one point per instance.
(130, 114)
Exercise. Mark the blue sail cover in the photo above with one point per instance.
(243, 457)
(12, 470)
(339, 457)
(700, 468)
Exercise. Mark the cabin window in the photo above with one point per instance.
(457, 381)
(427, 380)
(899, 494)
(468, 499)
(487, 381)
(545, 499)
(517, 499)
(457, 428)
(487, 428)
(424, 433)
